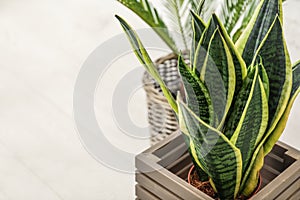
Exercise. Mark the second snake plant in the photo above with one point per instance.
(237, 96)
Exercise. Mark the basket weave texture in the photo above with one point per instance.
(161, 117)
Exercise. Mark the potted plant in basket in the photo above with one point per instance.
(161, 118)
(236, 101)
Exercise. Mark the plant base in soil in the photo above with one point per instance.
(207, 188)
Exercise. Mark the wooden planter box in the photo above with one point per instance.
(162, 173)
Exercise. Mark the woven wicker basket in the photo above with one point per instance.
(161, 117)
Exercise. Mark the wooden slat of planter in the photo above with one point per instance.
(269, 173)
(295, 196)
(173, 154)
(162, 148)
(280, 183)
(275, 156)
(275, 163)
(291, 156)
(155, 187)
(290, 191)
(141, 192)
(169, 180)
(180, 163)
(279, 149)
(292, 152)
(284, 156)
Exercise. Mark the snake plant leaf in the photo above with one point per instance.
(244, 19)
(258, 27)
(188, 138)
(235, 118)
(198, 27)
(237, 108)
(264, 78)
(196, 93)
(202, 48)
(276, 61)
(219, 158)
(296, 81)
(246, 137)
(199, 168)
(146, 61)
(200, 172)
(250, 184)
(239, 64)
(273, 138)
(148, 13)
(218, 74)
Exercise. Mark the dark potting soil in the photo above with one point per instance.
(207, 188)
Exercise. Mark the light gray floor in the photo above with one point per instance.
(43, 45)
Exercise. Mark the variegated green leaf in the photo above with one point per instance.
(244, 19)
(145, 59)
(196, 93)
(247, 136)
(198, 27)
(273, 138)
(213, 152)
(257, 28)
(264, 78)
(202, 175)
(276, 61)
(218, 74)
(251, 183)
(296, 80)
(201, 50)
(239, 64)
(239, 104)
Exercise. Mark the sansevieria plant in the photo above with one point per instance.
(237, 96)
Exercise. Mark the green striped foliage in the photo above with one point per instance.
(276, 133)
(237, 97)
(198, 29)
(258, 27)
(196, 93)
(216, 155)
